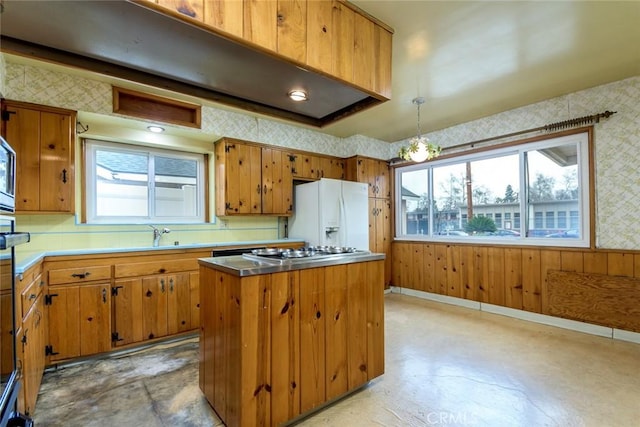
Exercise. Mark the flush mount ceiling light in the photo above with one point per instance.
(155, 129)
(419, 149)
(298, 95)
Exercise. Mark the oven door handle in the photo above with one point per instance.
(9, 240)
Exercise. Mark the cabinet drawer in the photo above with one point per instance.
(28, 276)
(30, 294)
(80, 274)
(155, 267)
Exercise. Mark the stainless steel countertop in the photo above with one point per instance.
(240, 265)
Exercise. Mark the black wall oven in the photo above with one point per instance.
(9, 240)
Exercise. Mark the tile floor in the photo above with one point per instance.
(445, 365)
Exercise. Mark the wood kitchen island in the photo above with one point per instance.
(279, 340)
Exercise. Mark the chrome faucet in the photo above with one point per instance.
(156, 235)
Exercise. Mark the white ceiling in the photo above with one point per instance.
(472, 59)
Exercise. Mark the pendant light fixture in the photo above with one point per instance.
(419, 149)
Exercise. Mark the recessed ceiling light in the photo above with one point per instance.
(298, 95)
(155, 129)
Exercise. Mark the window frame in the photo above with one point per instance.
(586, 180)
(89, 217)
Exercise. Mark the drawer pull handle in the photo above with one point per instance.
(32, 296)
(80, 275)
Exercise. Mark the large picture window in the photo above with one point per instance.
(135, 184)
(530, 193)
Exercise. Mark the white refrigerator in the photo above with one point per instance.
(331, 212)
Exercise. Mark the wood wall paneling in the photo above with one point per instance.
(513, 277)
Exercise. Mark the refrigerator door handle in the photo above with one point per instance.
(343, 222)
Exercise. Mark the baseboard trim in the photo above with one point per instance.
(544, 319)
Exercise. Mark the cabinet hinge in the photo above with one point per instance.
(227, 206)
(114, 291)
(48, 351)
(48, 299)
(292, 157)
(6, 115)
(228, 147)
(115, 337)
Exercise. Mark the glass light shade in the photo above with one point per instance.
(298, 95)
(422, 153)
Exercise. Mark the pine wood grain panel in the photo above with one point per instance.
(469, 272)
(255, 354)
(342, 41)
(571, 261)
(549, 260)
(336, 331)
(382, 68)
(225, 15)
(260, 23)
(233, 345)
(620, 264)
(405, 265)
(454, 267)
(605, 300)
(375, 319)
(178, 304)
(95, 319)
(440, 269)
(513, 277)
(206, 378)
(481, 267)
(319, 34)
(398, 264)
(56, 167)
(23, 131)
(495, 266)
(134, 269)
(127, 308)
(285, 345)
(531, 280)
(79, 274)
(312, 338)
(154, 307)
(594, 262)
(292, 29)
(418, 269)
(357, 354)
(636, 265)
(194, 291)
(364, 46)
(220, 291)
(64, 322)
(429, 268)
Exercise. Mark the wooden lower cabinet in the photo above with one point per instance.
(275, 346)
(79, 320)
(151, 307)
(31, 346)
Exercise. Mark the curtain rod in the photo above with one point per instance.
(579, 121)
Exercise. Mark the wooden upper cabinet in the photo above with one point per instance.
(329, 36)
(43, 138)
(374, 172)
(251, 179)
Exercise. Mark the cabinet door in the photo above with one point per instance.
(260, 23)
(127, 308)
(277, 183)
(95, 319)
(23, 130)
(64, 322)
(342, 39)
(194, 288)
(363, 52)
(33, 342)
(291, 24)
(154, 307)
(243, 179)
(6, 330)
(309, 166)
(178, 303)
(336, 169)
(56, 167)
(382, 182)
(319, 34)
(191, 8)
